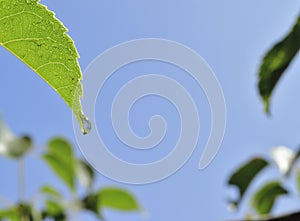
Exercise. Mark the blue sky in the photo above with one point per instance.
(231, 36)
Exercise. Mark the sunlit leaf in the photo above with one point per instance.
(32, 33)
(276, 61)
(265, 198)
(242, 177)
(118, 199)
(61, 160)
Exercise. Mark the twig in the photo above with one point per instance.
(288, 217)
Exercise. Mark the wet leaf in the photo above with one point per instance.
(32, 33)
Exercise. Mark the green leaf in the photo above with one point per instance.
(117, 199)
(11, 145)
(61, 160)
(10, 214)
(243, 177)
(85, 173)
(276, 61)
(264, 199)
(298, 181)
(53, 208)
(32, 33)
(91, 203)
(51, 191)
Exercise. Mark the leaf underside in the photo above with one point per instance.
(32, 33)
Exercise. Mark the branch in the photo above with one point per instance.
(288, 217)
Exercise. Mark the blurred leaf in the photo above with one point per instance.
(61, 160)
(91, 203)
(10, 145)
(117, 199)
(298, 181)
(53, 209)
(276, 61)
(10, 214)
(85, 173)
(297, 155)
(51, 191)
(264, 199)
(242, 177)
(19, 147)
(284, 158)
(25, 211)
(19, 212)
(32, 33)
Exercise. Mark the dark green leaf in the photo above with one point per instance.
(242, 177)
(85, 173)
(61, 160)
(264, 199)
(276, 61)
(117, 199)
(91, 203)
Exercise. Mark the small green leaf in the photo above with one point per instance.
(61, 160)
(51, 191)
(11, 145)
(264, 199)
(53, 209)
(243, 177)
(117, 199)
(276, 61)
(32, 33)
(85, 173)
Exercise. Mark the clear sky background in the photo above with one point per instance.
(231, 36)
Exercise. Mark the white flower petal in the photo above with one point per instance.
(283, 156)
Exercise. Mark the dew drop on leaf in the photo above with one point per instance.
(87, 126)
